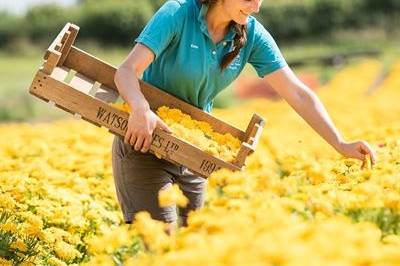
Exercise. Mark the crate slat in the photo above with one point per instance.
(252, 136)
(254, 130)
(51, 62)
(244, 151)
(91, 67)
(57, 41)
(70, 37)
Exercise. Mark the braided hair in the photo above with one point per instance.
(238, 42)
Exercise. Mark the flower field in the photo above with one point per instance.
(298, 202)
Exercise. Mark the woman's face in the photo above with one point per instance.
(239, 10)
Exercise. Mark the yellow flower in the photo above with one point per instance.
(110, 241)
(5, 262)
(172, 195)
(56, 262)
(65, 251)
(200, 134)
(152, 231)
(6, 202)
(392, 200)
(100, 260)
(20, 245)
(9, 227)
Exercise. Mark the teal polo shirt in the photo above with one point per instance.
(187, 62)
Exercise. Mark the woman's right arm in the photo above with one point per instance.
(142, 120)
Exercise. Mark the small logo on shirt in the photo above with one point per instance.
(194, 46)
(236, 63)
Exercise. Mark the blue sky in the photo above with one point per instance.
(20, 6)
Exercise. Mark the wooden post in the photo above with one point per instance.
(252, 136)
(59, 48)
(52, 60)
(69, 37)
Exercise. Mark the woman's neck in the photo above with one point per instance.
(217, 22)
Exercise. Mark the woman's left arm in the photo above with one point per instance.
(306, 103)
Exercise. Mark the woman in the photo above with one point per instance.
(193, 49)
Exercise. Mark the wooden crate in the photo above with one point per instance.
(83, 85)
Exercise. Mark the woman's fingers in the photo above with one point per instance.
(364, 163)
(366, 152)
(127, 138)
(132, 139)
(372, 156)
(369, 151)
(146, 143)
(139, 143)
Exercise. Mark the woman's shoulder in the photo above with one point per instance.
(178, 7)
(180, 3)
(253, 24)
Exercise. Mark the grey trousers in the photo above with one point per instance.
(140, 176)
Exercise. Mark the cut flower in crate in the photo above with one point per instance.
(198, 133)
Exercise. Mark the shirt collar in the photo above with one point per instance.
(203, 24)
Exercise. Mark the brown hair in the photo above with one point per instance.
(238, 42)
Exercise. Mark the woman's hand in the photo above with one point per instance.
(141, 124)
(358, 150)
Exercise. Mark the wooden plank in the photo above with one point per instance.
(57, 40)
(63, 43)
(106, 94)
(253, 134)
(91, 67)
(65, 37)
(103, 72)
(100, 113)
(254, 130)
(51, 62)
(58, 47)
(70, 39)
(244, 151)
(81, 83)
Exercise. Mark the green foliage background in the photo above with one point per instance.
(118, 22)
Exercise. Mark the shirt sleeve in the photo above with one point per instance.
(162, 27)
(265, 56)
